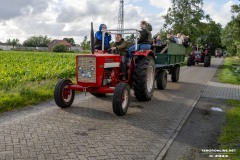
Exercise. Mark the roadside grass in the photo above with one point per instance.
(230, 138)
(231, 71)
(27, 94)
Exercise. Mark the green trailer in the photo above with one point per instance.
(168, 59)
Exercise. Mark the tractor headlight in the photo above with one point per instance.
(92, 68)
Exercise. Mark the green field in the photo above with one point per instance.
(27, 78)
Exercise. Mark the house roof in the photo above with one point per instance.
(64, 42)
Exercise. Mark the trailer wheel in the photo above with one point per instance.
(121, 98)
(62, 95)
(144, 78)
(189, 61)
(175, 73)
(98, 94)
(161, 80)
(207, 60)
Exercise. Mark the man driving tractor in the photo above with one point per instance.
(120, 47)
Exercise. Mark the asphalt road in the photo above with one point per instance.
(90, 130)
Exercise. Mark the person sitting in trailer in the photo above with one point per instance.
(157, 41)
(143, 41)
(98, 38)
(120, 47)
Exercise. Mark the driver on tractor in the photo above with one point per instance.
(120, 47)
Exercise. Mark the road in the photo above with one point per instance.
(90, 130)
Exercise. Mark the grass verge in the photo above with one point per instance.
(229, 138)
(231, 71)
(27, 94)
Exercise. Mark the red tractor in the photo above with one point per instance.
(100, 73)
(199, 56)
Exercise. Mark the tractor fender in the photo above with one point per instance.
(145, 53)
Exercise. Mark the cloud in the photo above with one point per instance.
(163, 4)
(71, 18)
(64, 18)
(12, 9)
(219, 13)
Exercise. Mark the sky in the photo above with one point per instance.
(72, 18)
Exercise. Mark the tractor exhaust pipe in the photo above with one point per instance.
(92, 38)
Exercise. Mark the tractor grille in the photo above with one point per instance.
(86, 69)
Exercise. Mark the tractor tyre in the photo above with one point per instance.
(189, 61)
(169, 71)
(161, 80)
(144, 78)
(193, 63)
(63, 96)
(121, 99)
(207, 60)
(175, 73)
(98, 94)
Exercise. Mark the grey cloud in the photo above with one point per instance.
(76, 13)
(15, 8)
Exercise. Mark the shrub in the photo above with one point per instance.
(59, 48)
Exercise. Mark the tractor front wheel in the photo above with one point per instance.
(144, 78)
(189, 61)
(121, 98)
(63, 96)
(161, 80)
(175, 73)
(207, 61)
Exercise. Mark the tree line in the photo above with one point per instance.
(36, 41)
(188, 17)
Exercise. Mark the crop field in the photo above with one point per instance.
(29, 77)
(21, 67)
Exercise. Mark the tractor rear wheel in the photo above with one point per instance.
(63, 96)
(189, 61)
(121, 98)
(161, 80)
(144, 78)
(175, 73)
(207, 60)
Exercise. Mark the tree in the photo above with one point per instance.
(231, 34)
(185, 17)
(85, 44)
(70, 40)
(37, 41)
(59, 48)
(210, 33)
(130, 39)
(13, 42)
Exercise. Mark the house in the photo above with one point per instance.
(57, 42)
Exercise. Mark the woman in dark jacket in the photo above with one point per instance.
(98, 38)
(143, 42)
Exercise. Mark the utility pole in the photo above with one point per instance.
(121, 16)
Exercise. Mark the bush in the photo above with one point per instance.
(59, 48)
